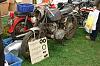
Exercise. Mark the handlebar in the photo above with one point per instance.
(46, 7)
(50, 11)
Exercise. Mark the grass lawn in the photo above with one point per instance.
(77, 52)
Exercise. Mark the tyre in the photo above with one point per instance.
(24, 47)
(70, 26)
(29, 37)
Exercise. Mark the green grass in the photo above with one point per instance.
(77, 52)
(4, 20)
(4, 23)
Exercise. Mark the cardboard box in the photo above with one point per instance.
(0, 23)
(4, 8)
(18, 1)
(34, 2)
(12, 7)
(11, 1)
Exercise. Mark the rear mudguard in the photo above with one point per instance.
(16, 21)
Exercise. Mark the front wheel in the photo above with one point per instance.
(31, 36)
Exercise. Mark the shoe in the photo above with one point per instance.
(88, 37)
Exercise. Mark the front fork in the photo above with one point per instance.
(26, 18)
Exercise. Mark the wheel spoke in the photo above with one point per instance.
(70, 27)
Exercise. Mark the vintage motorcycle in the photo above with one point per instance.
(56, 24)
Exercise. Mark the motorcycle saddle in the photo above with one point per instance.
(66, 10)
(19, 14)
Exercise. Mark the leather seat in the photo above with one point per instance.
(19, 14)
(66, 10)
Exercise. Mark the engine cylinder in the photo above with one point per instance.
(59, 34)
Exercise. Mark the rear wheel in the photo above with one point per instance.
(70, 26)
(21, 28)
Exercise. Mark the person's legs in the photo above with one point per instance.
(93, 35)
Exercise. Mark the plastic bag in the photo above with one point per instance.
(89, 24)
(13, 47)
(91, 21)
(6, 63)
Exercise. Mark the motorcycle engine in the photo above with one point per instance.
(54, 32)
(59, 34)
(52, 27)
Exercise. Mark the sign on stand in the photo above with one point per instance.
(38, 50)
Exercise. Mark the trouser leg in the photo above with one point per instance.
(93, 35)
